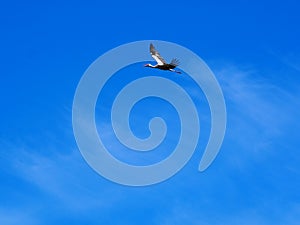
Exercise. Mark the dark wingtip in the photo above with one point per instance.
(151, 47)
(175, 62)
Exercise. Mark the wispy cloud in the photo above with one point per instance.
(262, 101)
(290, 59)
(263, 214)
(16, 217)
(259, 112)
(261, 115)
(257, 102)
(63, 183)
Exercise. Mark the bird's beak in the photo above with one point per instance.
(145, 65)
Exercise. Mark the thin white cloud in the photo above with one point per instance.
(62, 178)
(260, 113)
(253, 100)
(183, 213)
(263, 102)
(290, 59)
(17, 217)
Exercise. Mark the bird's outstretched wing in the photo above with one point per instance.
(155, 55)
(175, 62)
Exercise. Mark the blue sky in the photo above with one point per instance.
(251, 46)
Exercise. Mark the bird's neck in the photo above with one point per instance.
(150, 65)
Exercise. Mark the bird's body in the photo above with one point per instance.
(161, 63)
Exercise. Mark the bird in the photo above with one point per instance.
(161, 63)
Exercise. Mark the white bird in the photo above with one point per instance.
(161, 63)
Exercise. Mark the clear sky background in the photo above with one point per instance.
(251, 46)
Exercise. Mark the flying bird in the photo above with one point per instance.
(161, 63)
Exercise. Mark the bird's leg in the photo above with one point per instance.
(175, 71)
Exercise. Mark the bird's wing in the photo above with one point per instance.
(175, 62)
(155, 55)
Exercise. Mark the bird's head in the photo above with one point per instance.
(147, 65)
